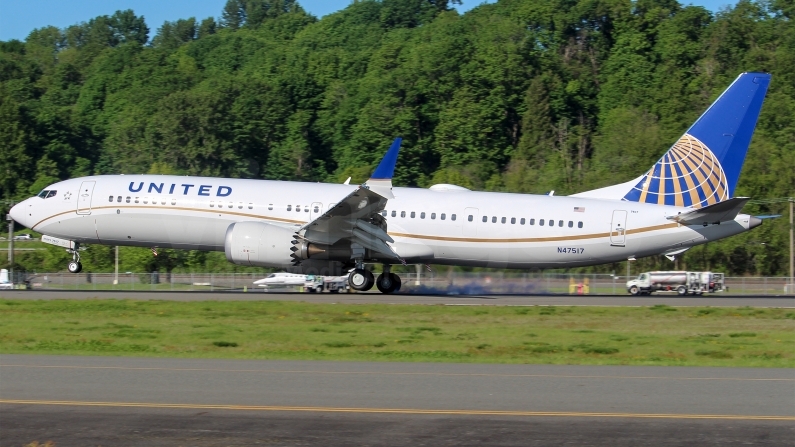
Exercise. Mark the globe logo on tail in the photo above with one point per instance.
(688, 174)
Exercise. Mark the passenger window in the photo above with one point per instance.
(394, 213)
(560, 223)
(118, 199)
(212, 204)
(532, 221)
(173, 201)
(433, 216)
(383, 213)
(250, 206)
(443, 216)
(270, 207)
(240, 205)
(452, 217)
(231, 204)
(289, 207)
(571, 224)
(110, 199)
(513, 220)
(402, 214)
(136, 200)
(485, 218)
(128, 199)
(521, 222)
(422, 215)
(413, 214)
(579, 224)
(494, 219)
(470, 218)
(298, 208)
(163, 201)
(146, 200)
(540, 222)
(317, 210)
(306, 209)
(502, 220)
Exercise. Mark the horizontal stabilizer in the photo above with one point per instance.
(720, 212)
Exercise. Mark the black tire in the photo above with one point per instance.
(388, 283)
(74, 267)
(634, 290)
(681, 290)
(361, 280)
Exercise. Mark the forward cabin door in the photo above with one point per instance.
(470, 225)
(84, 197)
(618, 228)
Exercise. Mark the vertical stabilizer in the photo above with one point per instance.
(703, 166)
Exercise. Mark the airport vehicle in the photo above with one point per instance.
(683, 283)
(23, 237)
(4, 281)
(683, 200)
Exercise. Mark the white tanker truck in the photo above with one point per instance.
(683, 283)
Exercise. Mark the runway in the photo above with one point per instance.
(133, 401)
(368, 298)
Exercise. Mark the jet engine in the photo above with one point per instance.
(259, 244)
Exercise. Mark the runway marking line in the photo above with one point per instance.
(279, 371)
(412, 411)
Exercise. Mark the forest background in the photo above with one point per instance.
(523, 96)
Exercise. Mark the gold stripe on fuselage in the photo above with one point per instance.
(574, 237)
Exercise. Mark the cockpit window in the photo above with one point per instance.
(47, 193)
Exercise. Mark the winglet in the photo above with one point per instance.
(381, 180)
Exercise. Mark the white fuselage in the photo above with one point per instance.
(195, 212)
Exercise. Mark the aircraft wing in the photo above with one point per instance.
(719, 212)
(357, 216)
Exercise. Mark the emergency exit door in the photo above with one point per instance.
(618, 228)
(84, 197)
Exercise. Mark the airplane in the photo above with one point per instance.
(282, 279)
(685, 199)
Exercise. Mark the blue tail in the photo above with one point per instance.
(703, 167)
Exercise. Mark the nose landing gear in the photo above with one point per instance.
(74, 265)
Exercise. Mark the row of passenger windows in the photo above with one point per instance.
(129, 199)
(522, 221)
(413, 214)
(164, 200)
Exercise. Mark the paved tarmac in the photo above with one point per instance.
(153, 401)
(362, 298)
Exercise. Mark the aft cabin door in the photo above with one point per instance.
(84, 197)
(618, 229)
(470, 225)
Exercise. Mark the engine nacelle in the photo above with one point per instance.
(259, 244)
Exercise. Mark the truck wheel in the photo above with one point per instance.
(681, 290)
(634, 290)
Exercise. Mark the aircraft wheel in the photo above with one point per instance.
(388, 283)
(361, 280)
(634, 290)
(75, 267)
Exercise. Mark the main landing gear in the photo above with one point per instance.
(74, 265)
(362, 280)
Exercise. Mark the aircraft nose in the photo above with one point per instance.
(17, 212)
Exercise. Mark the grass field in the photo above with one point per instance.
(656, 335)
